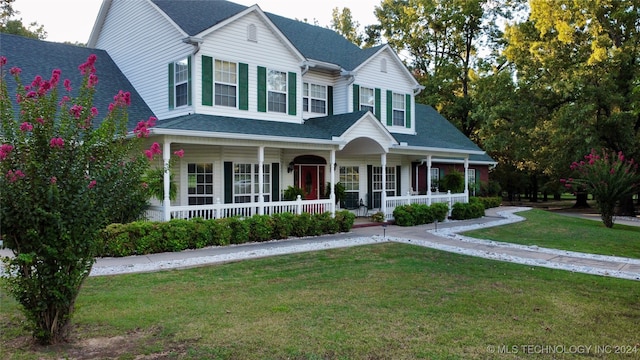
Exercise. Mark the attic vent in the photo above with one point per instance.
(383, 65)
(252, 33)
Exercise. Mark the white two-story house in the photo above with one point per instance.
(260, 103)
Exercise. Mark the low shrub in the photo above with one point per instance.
(490, 202)
(471, 210)
(419, 214)
(440, 211)
(345, 219)
(260, 228)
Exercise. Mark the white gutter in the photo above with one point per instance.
(440, 150)
(236, 136)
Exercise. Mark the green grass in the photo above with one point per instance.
(385, 301)
(547, 229)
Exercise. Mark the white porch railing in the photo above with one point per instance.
(448, 198)
(219, 210)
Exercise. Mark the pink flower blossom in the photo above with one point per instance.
(15, 71)
(55, 77)
(148, 154)
(65, 99)
(76, 111)
(3, 61)
(67, 84)
(88, 66)
(179, 153)
(93, 80)
(5, 149)
(57, 143)
(26, 126)
(94, 111)
(92, 184)
(14, 176)
(53, 180)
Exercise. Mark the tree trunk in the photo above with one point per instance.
(581, 201)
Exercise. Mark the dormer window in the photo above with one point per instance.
(252, 33)
(314, 98)
(277, 91)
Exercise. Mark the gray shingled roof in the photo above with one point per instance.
(433, 130)
(323, 128)
(314, 42)
(37, 57)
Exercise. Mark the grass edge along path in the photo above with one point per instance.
(547, 229)
(383, 301)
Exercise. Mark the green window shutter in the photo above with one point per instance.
(243, 91)
(171, 87)
(389, 108)
(329, 100)
(370, 187)
(189, 83)
(398, 180)
(407, 111)
(356, 97)
(228, 182)
(275, 182)
(378, 107)
(262, 89)
(293, 88)
(207, 80)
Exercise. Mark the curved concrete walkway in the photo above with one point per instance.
(443, 236)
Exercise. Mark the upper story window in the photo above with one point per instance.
(277, 91)
(226, 83)
(398, 109)
(367, 99)
(181, 82)
(314, 98)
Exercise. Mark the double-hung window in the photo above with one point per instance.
(181, 82)
(314, 98)
(277, 91)
(226, 83)
(200, 183)
(246, 182)
(367, 99)
(398, 109)
(390, 182)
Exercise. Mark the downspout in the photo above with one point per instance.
(417, 90)
(350, 74)
(195, 41)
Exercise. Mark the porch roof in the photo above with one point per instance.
(322, 128)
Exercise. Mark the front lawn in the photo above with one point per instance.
(384, 301)
(551, 230)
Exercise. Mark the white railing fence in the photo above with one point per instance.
(220, 210)
(448, 198)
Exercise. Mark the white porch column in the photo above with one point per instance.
(429, 193)
(383, 196)
(332, 195)
(466, 178)
(166, 203)
(261, 180)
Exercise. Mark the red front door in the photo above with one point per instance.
(309, 181)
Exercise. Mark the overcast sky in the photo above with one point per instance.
(72, 20)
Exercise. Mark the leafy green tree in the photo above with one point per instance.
(63, 177)
(14, 26)
(342, 22)
(442, 40)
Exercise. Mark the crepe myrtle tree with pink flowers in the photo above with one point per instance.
(63, 178)
(608, 176)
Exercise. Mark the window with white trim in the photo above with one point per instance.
(398, 109)
(277, 91)
(314, 98)
(390, 179)
(435, 179)
(226, 80)
(471, 173)
(367, 99)
(181, 82)
(246, 184)
(200, 183)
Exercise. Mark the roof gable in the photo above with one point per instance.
(37, 57)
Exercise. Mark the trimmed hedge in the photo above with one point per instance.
(490, 202)
(471, 210)
(418, 214)
(145, 237)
